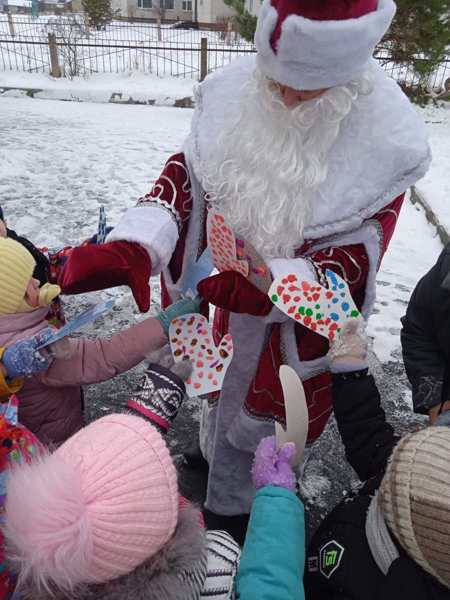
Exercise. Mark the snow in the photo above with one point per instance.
(60, 161)
(435, 186)
(101, 87)
(415, 245)
(413, 250)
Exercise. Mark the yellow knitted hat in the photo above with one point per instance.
(16, 269)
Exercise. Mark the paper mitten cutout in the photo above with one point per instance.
(323, 310)
(258, 271)
(191, 339)
(222, 242)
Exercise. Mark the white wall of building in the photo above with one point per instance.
(253, 6)
(174, 9)
(210, 11)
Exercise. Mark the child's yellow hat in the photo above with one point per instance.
(16, 269)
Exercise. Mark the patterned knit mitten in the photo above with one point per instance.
(161, 390)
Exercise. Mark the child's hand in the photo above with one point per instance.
(23, 358)
(349, 349)
(3, 232)
(272, 466)
(161, 391)
(178, 309)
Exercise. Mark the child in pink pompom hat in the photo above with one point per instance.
(100, 505)
(101, 517)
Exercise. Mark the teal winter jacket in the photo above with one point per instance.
(273, 559)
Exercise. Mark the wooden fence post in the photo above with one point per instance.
(229, 32)
(87, 26)
(11, 25)
(158, 25)
(203, 58)
(55, 69)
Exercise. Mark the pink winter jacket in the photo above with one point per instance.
(51, 403)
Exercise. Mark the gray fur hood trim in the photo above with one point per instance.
(177, 572)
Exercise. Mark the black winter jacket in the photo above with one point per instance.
(339, 563)
(426, 337)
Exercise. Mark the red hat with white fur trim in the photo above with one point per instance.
(316, 44)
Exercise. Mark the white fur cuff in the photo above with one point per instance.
(152, 227)
(312, 54)
(296, 266)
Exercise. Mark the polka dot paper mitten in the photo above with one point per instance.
(222, 243)
(324, 310)
(191, 339)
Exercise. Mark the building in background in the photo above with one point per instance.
(213, 11)
(45, 6)
(253, 6)
(171, 10)
(16, 6)
(202, 11)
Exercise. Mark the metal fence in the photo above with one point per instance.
(116, 31)
(66, 46)
(117, 47)
(84, 57)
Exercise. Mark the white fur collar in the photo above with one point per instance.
(381, 150)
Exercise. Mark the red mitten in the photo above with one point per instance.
(98, 267)
(232, 291)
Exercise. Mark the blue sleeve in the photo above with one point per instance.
(273, 559)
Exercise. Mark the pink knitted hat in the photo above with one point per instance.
(311, 44)
(95, 509)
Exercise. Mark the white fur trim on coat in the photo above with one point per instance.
(314, 54)
(151, 226)
(297, 266)
(381, 149)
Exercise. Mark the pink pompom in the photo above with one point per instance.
(47, 531)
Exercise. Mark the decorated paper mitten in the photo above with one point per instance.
(349, 349)
(272, 465)
(161, 391)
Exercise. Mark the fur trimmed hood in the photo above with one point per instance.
(177, 572)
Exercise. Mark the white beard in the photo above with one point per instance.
(270, 160)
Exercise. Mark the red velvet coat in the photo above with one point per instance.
(264, 398)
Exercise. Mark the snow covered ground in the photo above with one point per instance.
(143, 88)
(59, 161)
(435, 186)
(412, 251)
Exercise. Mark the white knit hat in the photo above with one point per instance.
(312, 45)
(415, 499)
